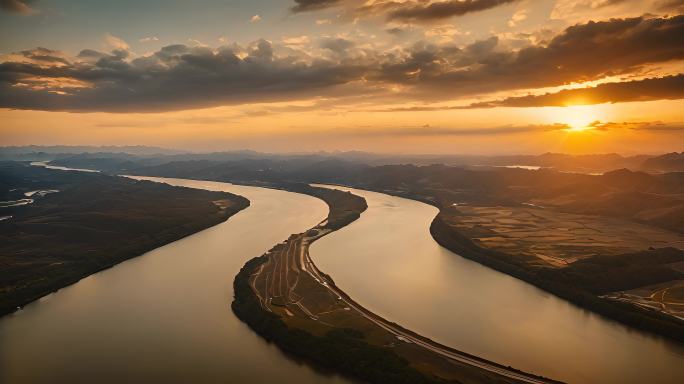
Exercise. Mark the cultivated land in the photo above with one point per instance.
(286, 298)
(79, 223)
(547, 238)
(544, 238)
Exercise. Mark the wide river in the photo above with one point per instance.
(165, 316)
(388, 262)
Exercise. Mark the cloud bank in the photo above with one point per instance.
(183, 77)
(18, 6)
(662, 88)
(405, 11)
(418, 11)
(313, 5)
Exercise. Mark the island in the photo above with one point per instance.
(286, 299)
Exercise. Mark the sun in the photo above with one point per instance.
(579, 123)
(577, 118)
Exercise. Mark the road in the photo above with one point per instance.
(276, 280)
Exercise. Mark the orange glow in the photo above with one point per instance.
(300, 126)
(578, 118)
(48, 83)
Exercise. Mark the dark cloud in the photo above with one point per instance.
(44, 54)
(90, 54)
(582, 52)
(655, 126)
(422, 108)
(182, 77)
(175, 77)
(660, 88)
(669, 88)
(411, 10)
(395, 31)
(312, 5)
(18, 6)
(337, 45)
(424, 11)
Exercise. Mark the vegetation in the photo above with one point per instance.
(341, 349)
(92, 223)
(603, 274)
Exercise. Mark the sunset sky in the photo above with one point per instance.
(449, 76)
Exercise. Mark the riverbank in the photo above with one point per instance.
(285, 298)
(92, 223)
(556, 282)
(551, 281)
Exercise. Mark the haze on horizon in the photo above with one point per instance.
(449, 76)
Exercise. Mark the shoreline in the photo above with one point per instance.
(654, 323)
(66, 283)
(136, 247)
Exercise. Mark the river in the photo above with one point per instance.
(164, 317)
(388, 262)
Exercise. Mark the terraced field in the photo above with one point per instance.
(548, 238)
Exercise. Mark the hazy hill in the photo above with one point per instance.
(594, 163)
(669, 162)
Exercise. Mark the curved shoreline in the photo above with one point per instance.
(641, 319)
(125, 250)
(258, 309)
(623, 313)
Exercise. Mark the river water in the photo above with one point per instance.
(164, 317)
(388, 262)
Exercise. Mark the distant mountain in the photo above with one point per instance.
(37, 151)
(665, 163)
(148, 156)
(653, 198)
(594, 163)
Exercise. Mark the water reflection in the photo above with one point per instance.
(163, 317)
(388, 262)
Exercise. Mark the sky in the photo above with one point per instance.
(391, 76)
